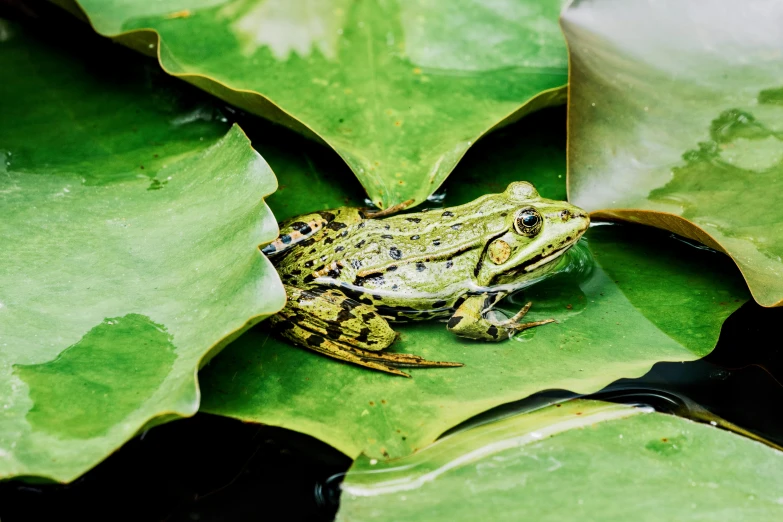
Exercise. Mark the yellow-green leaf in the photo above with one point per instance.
(130, 220)
(399, 89)
(580, 460)
(675, 122)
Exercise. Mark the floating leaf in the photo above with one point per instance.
(583, 460)
(399, 89)
(648, 298)
(676, 121)
(130, 226)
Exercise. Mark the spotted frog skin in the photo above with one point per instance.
(349, 272)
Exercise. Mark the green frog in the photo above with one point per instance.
(350, 272)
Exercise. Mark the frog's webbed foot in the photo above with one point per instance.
(328, 322)
(375, 214)
(473, 320)
(514, 324)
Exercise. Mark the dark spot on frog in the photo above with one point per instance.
(315, 340)
(395, 253)
(387, 236)
(364, 298)
(448, 214)
(364, 335)
(391, 268)
(336, 225)
(374, 279)
(339, 248)
(307, 242)
(503, 214)
(493, 331)
(413, 220)
(328, 216)
(414, 238)
(285, 239)
(456, 226)
(394, 287)
(329, 240)
(348, 304)
(300, 226)
(449, 263)
(454, 321)
(282, 326)
(420, 266)
(345, 315)
(309, 278)
(333, 332)
(343, 233)
(439, 304)
(361, 224)
(568, 238)
(334, 273)
(308, 264)
(356, 264)
(360, 243)
(324, 258)
(295, 272)
(369, 316)
(436, 242)
(387, 227)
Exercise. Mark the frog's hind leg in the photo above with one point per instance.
(301, 228)
(472, 320)
(326, 321)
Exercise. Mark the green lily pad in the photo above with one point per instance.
(399, 89)
(130, 224)
(646, 298)
(580, 460)
(676, 122)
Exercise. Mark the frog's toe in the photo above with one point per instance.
(518, 327)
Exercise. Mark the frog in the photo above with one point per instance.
(350, 273)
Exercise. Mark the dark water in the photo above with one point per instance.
(211, 468)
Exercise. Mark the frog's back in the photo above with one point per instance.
(422, 261)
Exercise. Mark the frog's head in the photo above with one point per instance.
(537, 232)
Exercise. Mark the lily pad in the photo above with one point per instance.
(399, 89)
(645, 298)
(584, 460)
(676, 121)
(130, 221)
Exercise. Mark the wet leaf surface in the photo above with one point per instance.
(399, 89)
(130, 219)
(581, 459)
(676, 121)
(645, 297)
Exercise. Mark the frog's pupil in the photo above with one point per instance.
(530, 220)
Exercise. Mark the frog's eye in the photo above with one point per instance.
(528, 222)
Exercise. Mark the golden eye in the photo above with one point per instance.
(528, 222)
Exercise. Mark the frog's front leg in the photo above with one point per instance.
(472, 319)
(330, 323)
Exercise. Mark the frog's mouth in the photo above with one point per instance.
(544, 260)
